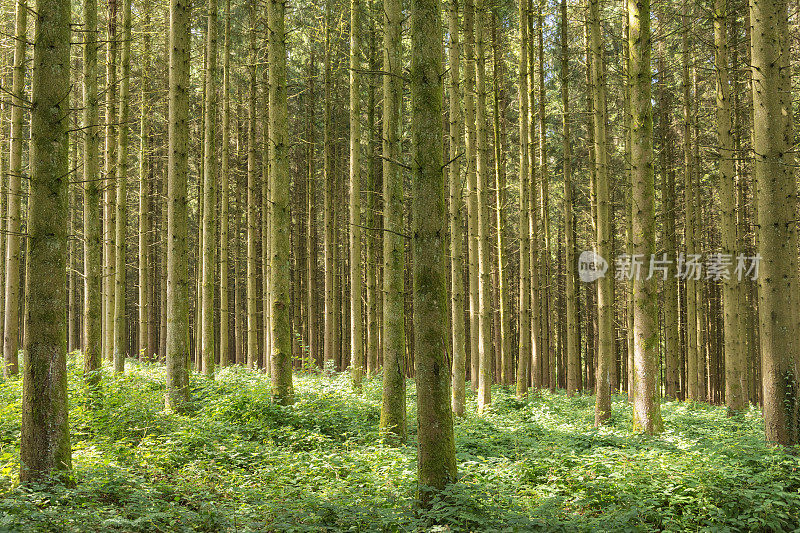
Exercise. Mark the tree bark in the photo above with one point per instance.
(436, 453)
(45, 445)
(177, 347)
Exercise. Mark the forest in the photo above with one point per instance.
(399, 265)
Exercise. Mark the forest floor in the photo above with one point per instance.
(236, 462)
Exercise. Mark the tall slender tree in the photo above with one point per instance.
(573, 336)
(393, 408)
(281, 356)
(436, 455)
(145, 193)
(485, 351)
(605, 291)
(177, 338)
(356, 329)
(92, 236)
(121, 205)
(11, 327)
(646, 405)
(224, 186)
(735, 369)
(525, 347)
(776, 201)
(45, 445)
(209, 252)
(459, 365)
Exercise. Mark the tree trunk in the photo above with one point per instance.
(356, 345)
(393, 409)
(177, 348)
(605, 290)
(472, 185)
(525, 349)
(485, 350)
(92, 237)
(646, 405)
(436, 455)
(209, 250)
(573, 337)
(45, 445)
(12, 312)
(110, 186)
(735, 397)
(459, 363)
(281, 357)
(224, 313)
(776, 201)
(252, 229)
(121, 205)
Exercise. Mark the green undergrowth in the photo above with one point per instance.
(236, 462)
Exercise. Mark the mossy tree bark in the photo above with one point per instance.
(177, 347)
(393, 408)
(573, 337)
(776, 201)
(459, 341)
(646, 404)
(145, 192)
(735, 368)
(605, 290)
(525, 347)
(121, 204)
(18, 106)
(45, 446)
(472, 186)
(224, 186)
(281, 357)
(436, 453)
(485, 348)
(93, 275)
(356, 328)
(209, 251)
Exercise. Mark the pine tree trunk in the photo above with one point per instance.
(735, 397)
(573, 337)
(472, 185)
(12, 313)
(145, 184)
(45, 445)
(393, 408)
(692, 392)
(548, 362)
(329, 330)
(605, 289)
(177, 335)
(92, 237)
(485, 351)
(456, 204)
(436, 455)
(505, 331)
(209, 251)
(524, 358)
(121, 205)
(281, 335)
(224, 191)
(646, 405)
(776, 203)
(110, 185)
(252, 229)
(356, 345)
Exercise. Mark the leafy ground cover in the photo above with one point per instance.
(236, 462)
